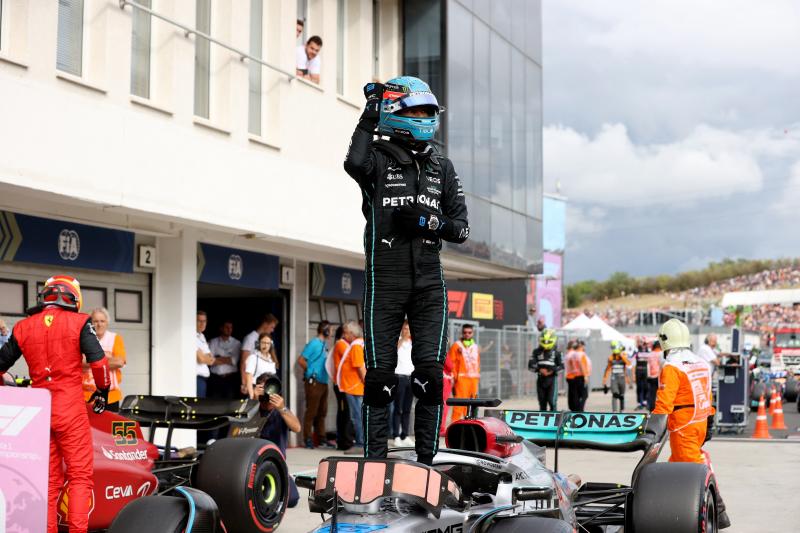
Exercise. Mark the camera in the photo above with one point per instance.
(272, 385)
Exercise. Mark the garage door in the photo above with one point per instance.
(126, 296)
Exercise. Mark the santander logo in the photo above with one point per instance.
(135, 455)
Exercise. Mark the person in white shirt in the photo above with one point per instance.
(263, 361)
(307, 59)
(708, 352)
(224, 380)
(249, 344)
(203, 356)
(403, 397)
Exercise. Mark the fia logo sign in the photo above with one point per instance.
(347, 283)
(69, 245)
(235, 267)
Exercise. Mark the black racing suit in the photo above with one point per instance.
(546, 385)
(404, 277)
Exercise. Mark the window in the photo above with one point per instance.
(332, 313)
(93, 298)
(314, 311)
(376, 39)
(340, 45)
(128, 306)
(202, 59)
(351, 312)
(69, 56)
(140, 51)
(256, 40)
(13, 297)
(302, 14)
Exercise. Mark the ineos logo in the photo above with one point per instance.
(69, 245)
(235, 266)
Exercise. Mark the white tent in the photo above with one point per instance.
(583, 322)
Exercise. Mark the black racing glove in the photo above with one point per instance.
(532, 366)
(373, 92)
(100, 397)
(605, 389)
(419, 222)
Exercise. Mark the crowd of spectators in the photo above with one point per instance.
(698, 302)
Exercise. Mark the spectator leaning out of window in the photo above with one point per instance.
(250, 341)
(299, 28)
(260, 363)
(308, 62)
(114, 349)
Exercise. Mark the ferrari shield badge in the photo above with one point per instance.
(48, 320)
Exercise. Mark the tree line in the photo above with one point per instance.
(622, 283)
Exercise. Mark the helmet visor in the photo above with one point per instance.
(413, 100)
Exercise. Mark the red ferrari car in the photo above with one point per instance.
(236, 484)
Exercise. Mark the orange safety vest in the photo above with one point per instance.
(575, 364)
(684, 390)
(468, 364)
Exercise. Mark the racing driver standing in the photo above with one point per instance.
(412, 200)
(684, 394)
(52, 340)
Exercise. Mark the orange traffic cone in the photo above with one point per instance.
(773, 398)
(761, 431)
(777, 416)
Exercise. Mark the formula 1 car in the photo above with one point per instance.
(237, 484)
(492, 478)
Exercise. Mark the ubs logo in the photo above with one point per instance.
(69, 245)
(347, 283)
(235, 266)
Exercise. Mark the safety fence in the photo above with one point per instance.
(505, 354)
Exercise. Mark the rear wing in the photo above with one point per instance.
(617, 432)
(613, 432)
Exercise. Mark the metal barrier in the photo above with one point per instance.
(505, 354)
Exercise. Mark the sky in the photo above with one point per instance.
(673, 128)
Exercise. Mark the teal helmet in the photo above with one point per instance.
(403, 93)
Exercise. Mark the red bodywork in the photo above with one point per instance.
(490, 428)
(123, 464)
(785, 355)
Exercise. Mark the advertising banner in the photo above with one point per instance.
(554, 223)
(336, 283)
(29, 239)
(494, 303)
(24, 456)
(241, 268)
(549, 290)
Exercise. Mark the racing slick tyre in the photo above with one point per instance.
(790, 390)
(249, 481)
(527, 524)
(759, 389)
(159, 514)
(675, 498)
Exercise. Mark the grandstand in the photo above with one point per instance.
(702, 305)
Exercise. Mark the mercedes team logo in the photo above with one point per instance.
(69, 245)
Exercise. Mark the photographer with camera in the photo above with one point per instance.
(278, 420)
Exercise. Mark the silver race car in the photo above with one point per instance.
(492, 477)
